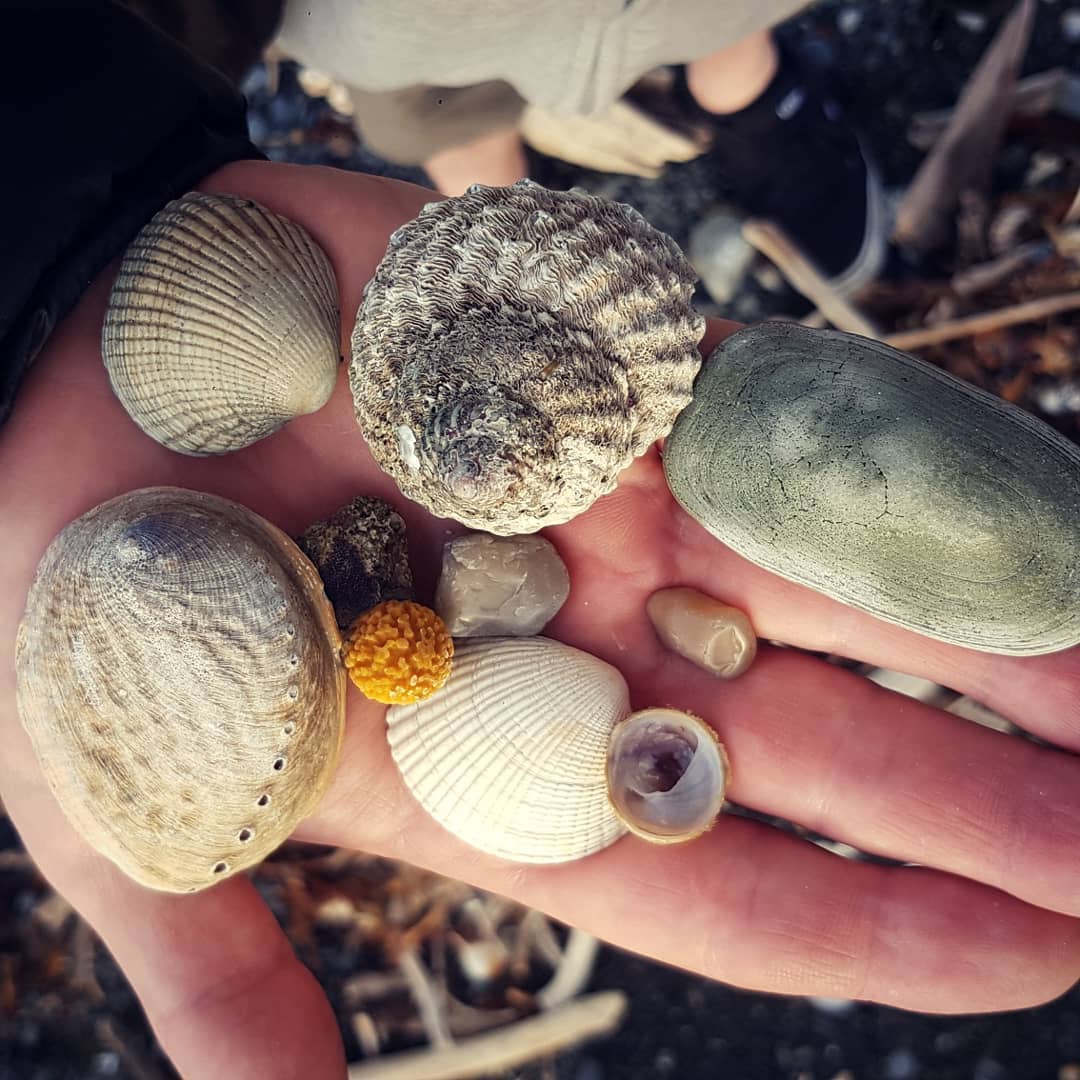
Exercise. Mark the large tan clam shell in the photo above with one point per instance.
(177, 670)
(222, 326)
(511, 755)
(845, 465)
(517, 347)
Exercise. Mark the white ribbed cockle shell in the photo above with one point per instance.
(510, 756)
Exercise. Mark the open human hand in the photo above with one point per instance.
(986, 921)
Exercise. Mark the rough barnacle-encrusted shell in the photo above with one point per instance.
(178, 674)
(510, 756)
(853, 468)
(361, 553)
(222, 326)
(516, 348)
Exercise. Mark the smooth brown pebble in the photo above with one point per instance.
(716, 637)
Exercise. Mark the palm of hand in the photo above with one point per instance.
(807, 741)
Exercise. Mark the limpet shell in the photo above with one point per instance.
(222, 325)
(177, 671)
(517, 348)
(862, 472)
(510, 756)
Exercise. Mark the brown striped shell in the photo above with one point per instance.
(222, 326)
(516, 348)
(177, 671)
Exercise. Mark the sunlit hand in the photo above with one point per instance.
(987, 922)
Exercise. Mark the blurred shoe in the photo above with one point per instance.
(793, 157)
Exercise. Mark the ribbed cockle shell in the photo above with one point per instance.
(516, 348)
(222, 325)
(178, 672)
(510, 756)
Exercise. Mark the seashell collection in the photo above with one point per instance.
(181, 662)
(222, 325)
(887, 484)
(517, 348)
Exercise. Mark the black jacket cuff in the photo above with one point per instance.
(106, 119)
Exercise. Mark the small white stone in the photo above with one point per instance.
(494, 586)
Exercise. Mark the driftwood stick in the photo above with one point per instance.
(988, 274)
(427, 1004)
(1034, 95)
(962, 159)
(1072, 217)
(575, 968)
(986, 321)
(775, 244)
(497, 1051)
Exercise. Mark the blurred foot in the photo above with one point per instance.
(496, 159)
(792, 156)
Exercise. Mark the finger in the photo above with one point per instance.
(1041, 693)
(218, 979)
(744, 903)
(873, 768)
(890, 775)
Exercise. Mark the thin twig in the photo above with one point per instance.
(970, 709)
(1072, 215)
(986, 275)
(575, 967)
(371, 986)
(431, 1012)
(775, 244)
(367, 1033)
(1035, 95)
(495, 1052)
(962, 159)
(1030, 311)
(540, 937)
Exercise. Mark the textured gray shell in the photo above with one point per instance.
(361, 553)
(516, 348)
(855, 469)
(177, 671)
(222, 325)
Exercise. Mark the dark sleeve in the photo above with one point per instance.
(103, 119)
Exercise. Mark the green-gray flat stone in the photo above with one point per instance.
(870, 476)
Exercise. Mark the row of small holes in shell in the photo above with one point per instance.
(247, 834)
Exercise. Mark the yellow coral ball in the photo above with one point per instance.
(398, 652)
